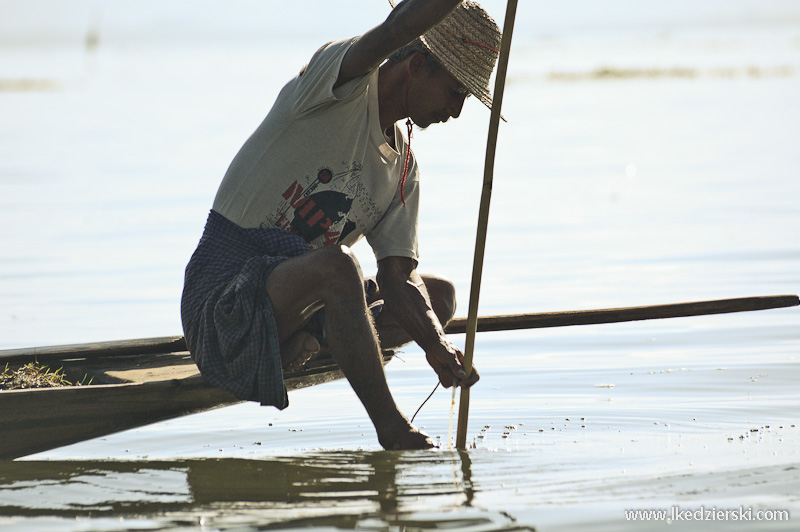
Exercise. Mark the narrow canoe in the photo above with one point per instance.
(137, 382)
(133, 383)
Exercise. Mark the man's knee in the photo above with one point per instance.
(443, 297)
(300, 286)
(340, 268)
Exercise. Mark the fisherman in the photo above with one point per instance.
(273, 280)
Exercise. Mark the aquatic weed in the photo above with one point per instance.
(35, 375)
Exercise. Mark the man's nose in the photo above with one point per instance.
(456, 105)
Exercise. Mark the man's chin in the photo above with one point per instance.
(442, 121)
(425, 125)
(422, 126)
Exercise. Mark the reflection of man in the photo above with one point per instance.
(275, 248)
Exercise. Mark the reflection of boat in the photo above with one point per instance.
(341, 490)
(347, 490)
(133, 383)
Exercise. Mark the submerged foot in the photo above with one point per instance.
(298, 350)
(404, 437)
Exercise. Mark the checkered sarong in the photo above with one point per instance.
(227, 316)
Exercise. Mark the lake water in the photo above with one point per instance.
(651, 156)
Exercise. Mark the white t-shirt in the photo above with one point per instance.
(319, 166)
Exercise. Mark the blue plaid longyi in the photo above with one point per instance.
(227, 316)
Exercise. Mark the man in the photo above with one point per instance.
(273, 277)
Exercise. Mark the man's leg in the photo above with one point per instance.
(331, 277)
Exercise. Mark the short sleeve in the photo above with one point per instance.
(315, 83)
(395, 235)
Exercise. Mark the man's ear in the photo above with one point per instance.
(416, 63)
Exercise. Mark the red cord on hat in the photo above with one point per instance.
(467, 41)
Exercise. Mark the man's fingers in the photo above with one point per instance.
(469, 381)
(457, 366)
(447, 377)
(450, 369)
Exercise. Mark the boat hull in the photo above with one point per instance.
(140, 389)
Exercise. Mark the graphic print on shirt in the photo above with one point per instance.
(320, 217)
(316, 214)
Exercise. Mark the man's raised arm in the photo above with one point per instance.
(406, 22)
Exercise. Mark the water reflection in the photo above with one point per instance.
(367, 490)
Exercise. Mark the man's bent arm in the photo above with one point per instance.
(406, 299)
(406, 22)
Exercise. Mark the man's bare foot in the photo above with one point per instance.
(298, 350)
(403, 438)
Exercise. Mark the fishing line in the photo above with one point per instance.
(425, 401)
(452, 408)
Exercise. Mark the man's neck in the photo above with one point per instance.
(391, 84)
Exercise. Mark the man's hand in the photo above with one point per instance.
(447, 361)
(407, 300)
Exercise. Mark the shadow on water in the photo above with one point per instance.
(344, 490)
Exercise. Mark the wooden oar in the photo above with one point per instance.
(483, 215)
(510, 322)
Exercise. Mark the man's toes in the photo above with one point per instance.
(310, 344)
(298, 350)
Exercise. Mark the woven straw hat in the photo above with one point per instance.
(467, 44)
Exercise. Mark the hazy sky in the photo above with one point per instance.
(56, 20)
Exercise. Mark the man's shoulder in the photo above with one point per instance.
(332, 50)
(320, 50)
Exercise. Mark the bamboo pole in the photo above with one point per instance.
(510, 322)
(483, 216)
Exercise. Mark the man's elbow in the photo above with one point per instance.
(394, 273)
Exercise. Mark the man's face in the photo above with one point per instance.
(439, 97)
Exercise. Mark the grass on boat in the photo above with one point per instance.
(35, 375)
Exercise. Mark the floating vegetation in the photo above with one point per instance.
(27, 85)
(35, 375)
(617, 73)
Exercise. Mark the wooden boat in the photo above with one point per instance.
(138, 382)
(133, 383)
